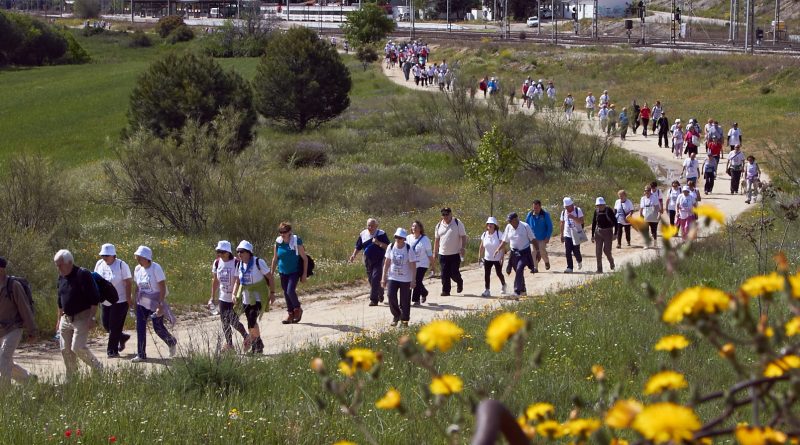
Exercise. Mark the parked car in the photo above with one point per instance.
(546, 14)
(532, 22)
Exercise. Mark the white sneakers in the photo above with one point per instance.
(137, 359)
(504, 292)
(580, 265)
(486, 293)
(568, 270)
(173, 350)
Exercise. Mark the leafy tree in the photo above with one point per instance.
(180, 34)
(366, 54)
(167, 24)
(12, 38)
(494, 163)
(187, 87)
(86, 9)
(369, 25)
(301, 80)
(40, 43)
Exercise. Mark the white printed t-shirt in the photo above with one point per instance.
(250, 276)
(491, 241)
(116, 274)
(226, 274)
(422, 249)
(401, 263)
(568, 223)
(685, 205)
(147, 283)
(622, 210)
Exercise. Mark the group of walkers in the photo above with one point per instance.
(412, 58)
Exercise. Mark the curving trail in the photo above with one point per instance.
(340, 315)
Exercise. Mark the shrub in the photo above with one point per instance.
(369, 25)
(765, 89)
(167, 24)
(12, 38)
(301, 80)
(249, 39)
(187, 87)
(140, 40)
(181, 34)
(305, 154)
(523, 35)
(32, 195)
(366, 55)
(39, 42)
(86, 9)
(75, 52)
(89, 31)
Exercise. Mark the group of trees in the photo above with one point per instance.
(28, 41)
(247, 37)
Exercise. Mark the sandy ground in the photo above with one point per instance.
(336, 316)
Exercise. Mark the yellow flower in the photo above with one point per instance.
(344, 442)
(502, 328)
(550, 429)
(529, 430)
(390, 400)
(362, 358)
(539, 411)
(727, 350)
(616, 441)
(750, 435)
(668, 231)
(599, 372)
(346, 369)
(672, 343)
(793, 327)
(664, 380)
(623, 412)
(776, 368)
(665, 422)
(637, 222)
(446, 384)
(794, 282)
(710, 212)
(694, 301)
(441, 334)
(581, 427)
(762, 285)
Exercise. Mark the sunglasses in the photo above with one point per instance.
(283, 231)
(241, 251)
(446, 214)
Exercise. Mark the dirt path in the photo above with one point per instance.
(339, 316)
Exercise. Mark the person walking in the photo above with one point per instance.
(672, 199)
(603, 224)
(151, 303)
(605, 99)
(685, 205)
(224, 279)
(373, 242)
(612, 120)
(752, 176)
(662, 124)
(254, 279)
(551, 95)
(734, 136)
(399, 277)
(623, 208)
(636, 111)
(449, 246)
(602, 115)
(491, 256)
(644, 114)
(78, 298)
(734, 168)
(423, 250)
(656, 115)
(650, 211)
(569, 106)
(677, 139)
(571, 220)
(623, 123)
(16, 313)
(710, 172)
(692, 138)
(542, 227)
(118, 273)
(590, 103)
(290, 260)
(691, 168)
(518, 236)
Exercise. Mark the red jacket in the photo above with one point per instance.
(644, 113)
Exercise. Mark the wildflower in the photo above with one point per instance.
(710, 212)
(344, 442)
(793, 327)
(539, 411)
(664, 380)
(616, 441)
(668, 231)
(762, 285)
(390, 400)
(68, 434)
(665, 422)
(317, 365)
(794, 283)
(446, 384)
(781, 261)
(694, 301)
(637, 222)
(439, 334)
(346, 369)
(622, 413)
(501, 328)
(112, 439)
(751, 435)
(233, 414)
(777, 368)
(672, 343)
(599, 372)
(362, 358)
(727, 350)
(550, 429)
(581, 427)
(529, 430)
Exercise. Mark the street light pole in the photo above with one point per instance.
(594, 21)
(553, 21)
(448, 15)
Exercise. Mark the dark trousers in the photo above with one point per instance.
(708, 187)
(603, 239)
(142, 315)
(374, 275)
(627, 229)
(520, 259)
(736, 179)
(113, 318)
(644, 126)
(251, 312)
(623, 130)
(229, 319)
(419, 289)
(401, 310)
(636, 124)
(671, 217)
(487, 272)
(663, 134)
(289, 286)
(449, 265)
(572, 249)
(653, 230)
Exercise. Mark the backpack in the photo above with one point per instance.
(108, 293)
(26, 287)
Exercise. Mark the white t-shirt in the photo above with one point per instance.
(691, 167)
(519, 238)
(650, 208)
(736, 159)
(422, 249)
(226, 274)
(147, 284)
(752, 170)
(449, 236)
(251, 276)
(672, 197)
(685, 204)
(491, 241)
(734, 136)
(401, 263)
(568, 223)
(622, 210)
(604, 99)
(590, 102)
(116, 274)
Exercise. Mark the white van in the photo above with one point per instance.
(214, 13)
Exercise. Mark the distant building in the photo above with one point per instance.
(605, 8)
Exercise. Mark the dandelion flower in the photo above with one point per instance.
(539, 411)
(439, 334)
(581, 427)
(762, 285)
(344, 442)
(668, 231)
(599, 372)
(501, 328)
(751, 435)
(777, 368)
(727, 350)
(794, 282)
(793, 327)
(390, 400)
(446, 384)
(710, 212)
(663, 381)
(623, 412)
(672, 343)
(667, 422)
(695, 301)
(616, 441)
(346, 369)
(637, 222)
(362, 358)
(529, 430)
(550, 429)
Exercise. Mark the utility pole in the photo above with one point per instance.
(748, 28)
(595, 34)
(448, 15)
(131, 11)
(641, 19)
(411, 15)
(777, 22)
(506, 23)
(554, 21)
(674, 17)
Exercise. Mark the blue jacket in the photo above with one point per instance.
(541, 224)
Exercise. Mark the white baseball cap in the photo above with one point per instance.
(686, 188)
(400, 233)
(491, 220)
(108, 250)
(245, 245)
(144, 252)
(600, 201)
(224, 246)
(568, 202)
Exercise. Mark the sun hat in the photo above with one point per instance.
(600, 201)
(144, 252)
(511, 216)
(491, 220)
(245, 245)
(108, 250)
(678, 121)
(568, 202)
(686, 189)
(224, 246)
(401, 233)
